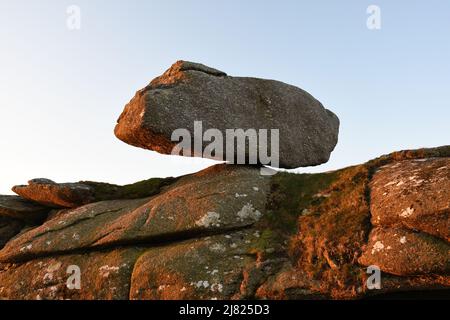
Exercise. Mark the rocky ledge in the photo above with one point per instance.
(228, 232)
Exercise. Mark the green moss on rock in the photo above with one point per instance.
(142, 189)
(291, 196)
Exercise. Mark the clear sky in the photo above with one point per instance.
(62, 90)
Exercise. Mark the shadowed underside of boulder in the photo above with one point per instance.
(228, 232)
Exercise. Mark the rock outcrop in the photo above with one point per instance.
(413, 194)
(9, 227)
(228, 232)
(21, 209)
(16, 214)
(404, 252)
(410, 207)
(69, 195)
(52, 194)
(218, 199)
(189, 92)
(105, 276)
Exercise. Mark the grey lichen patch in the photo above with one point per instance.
(407, 212)
(210, 219)
(217, 247)
(377, 247)
(106, 270)
(248, 212)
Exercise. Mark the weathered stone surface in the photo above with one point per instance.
(19, 208)
(141, 189)
(9, 227)
(104, 276)
(413, 194)
(416, 287)
(219, 198)
(73, 230)
(70, 195)
(292, 283)
(333, 228)
(308, 241)
(52, 194)
(218, 267)
(403, 252)
(189, 92)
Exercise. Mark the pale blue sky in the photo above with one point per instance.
(61, 91)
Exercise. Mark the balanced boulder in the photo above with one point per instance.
(191, 92)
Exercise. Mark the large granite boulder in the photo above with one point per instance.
(189, 92)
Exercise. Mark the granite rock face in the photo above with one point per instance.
(217, 267)
(228, 232)
(103, 276)
(9, 227)
(410, 211)
(69, 195)
(404, 252)
(22, 209)
(217, 199)
(57, 195)
(189, 92)
(17, 213)
(413, 194)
